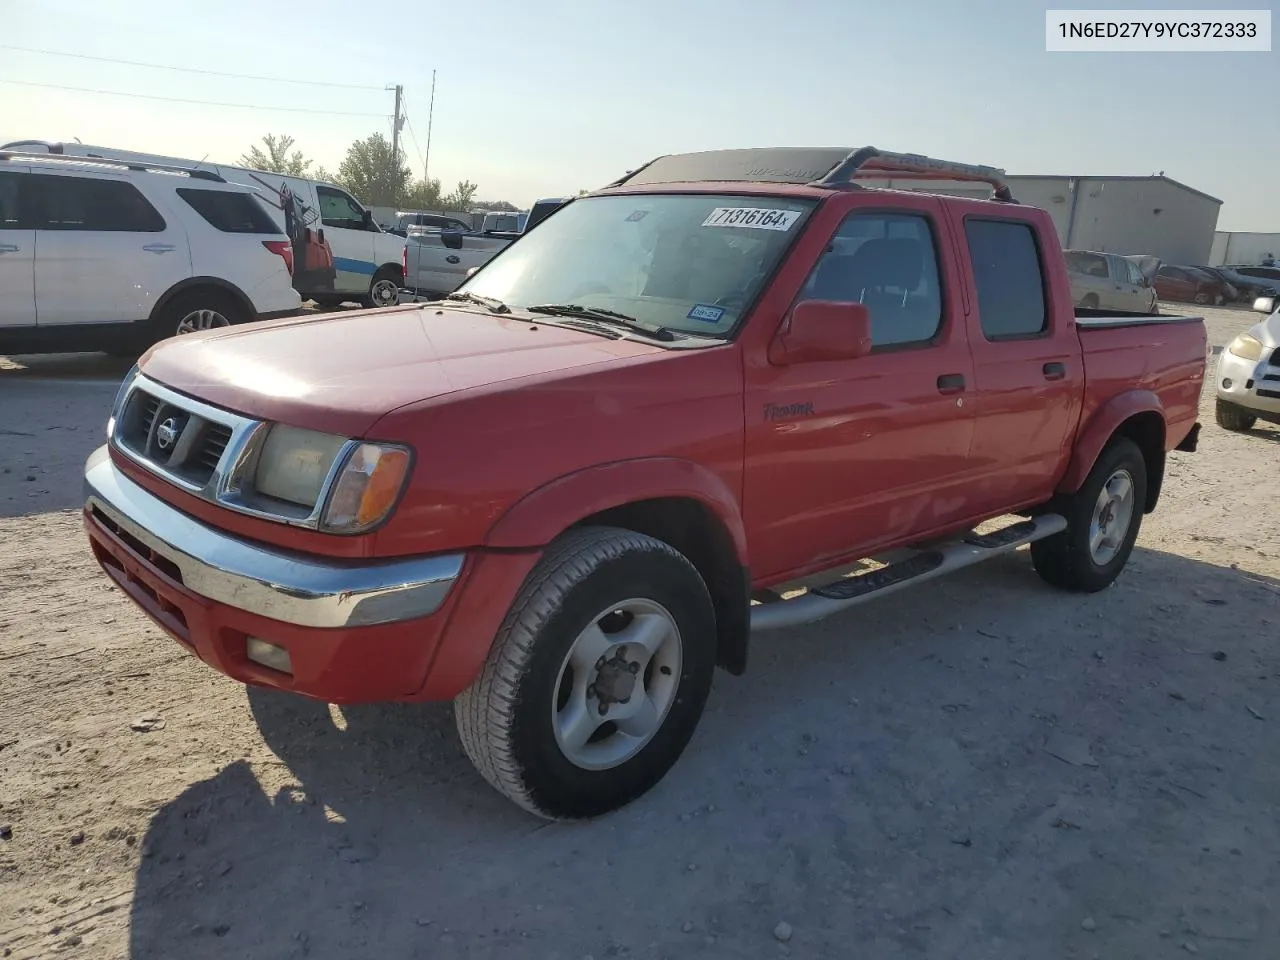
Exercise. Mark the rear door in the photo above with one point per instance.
(1027, 363)
(845, 455)
(104, 252)
(350, 240)
(1144, 297)
(17, 251)
(1090, 279)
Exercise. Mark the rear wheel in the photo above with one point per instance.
(384, 291)
(1201, 298)
(191, 312)
(1230, 417)
(1103, 520)
(597, 678)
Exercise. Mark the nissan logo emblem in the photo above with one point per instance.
(167, 434)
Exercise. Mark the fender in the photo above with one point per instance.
(182, 286)
(543, 514)
(1100, 429)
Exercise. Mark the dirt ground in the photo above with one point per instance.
(979, 768)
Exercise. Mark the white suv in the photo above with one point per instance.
(106, 255)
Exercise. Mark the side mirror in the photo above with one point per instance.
(451, 239)
(822, 330)
(1266, 304)
(367, 220)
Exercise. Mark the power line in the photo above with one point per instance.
(162, 66)
(203, 103)
(412, 136)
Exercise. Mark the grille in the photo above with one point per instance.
(164, 434)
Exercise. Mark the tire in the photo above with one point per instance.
(511, 718)
(190, 312)
(1219, 299)
(1201, 298)
(328, 302)
(1090, 301)
(384, 289)
(1067, 560)
(1230, 417)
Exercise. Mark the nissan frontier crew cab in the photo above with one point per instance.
(561, 497)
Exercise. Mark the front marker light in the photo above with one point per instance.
(367, 488)
(1245, 347)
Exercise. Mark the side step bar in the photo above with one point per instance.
(821, 602)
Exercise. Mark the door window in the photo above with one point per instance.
(1090, 264)
(1008, 278)
(887, 262)
(339, 210)
(93, 204)
(9, 218)
(1135, 275)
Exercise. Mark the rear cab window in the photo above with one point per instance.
(1007, 277)
(93, 204)
(887, 262)
(230, 211)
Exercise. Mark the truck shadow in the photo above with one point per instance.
(920, 776)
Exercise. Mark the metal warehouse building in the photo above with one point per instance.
(1242, 247)
(1127, 215)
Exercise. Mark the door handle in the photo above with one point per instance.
(951, 383)
(1054, 370)
(10, 248)
(159, 248)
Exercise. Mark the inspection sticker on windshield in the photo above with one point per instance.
(757, 218)
(703, 311)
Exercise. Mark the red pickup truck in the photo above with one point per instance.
(563, 496)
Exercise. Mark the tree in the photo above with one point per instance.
(497, 206)
(424, 195)
(462, 197)
(276, 158)
(372, 174)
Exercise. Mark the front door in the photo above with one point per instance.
(1027, 366)
(845, 455)
(17, 254)
(104, 253)
(350, 240)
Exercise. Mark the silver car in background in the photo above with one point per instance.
(1248, 380)
(1108, 281)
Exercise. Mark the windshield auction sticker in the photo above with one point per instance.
(757, 218)
(1158, 31)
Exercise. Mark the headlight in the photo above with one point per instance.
(293, 464)
(367, 488)
(1245, 347)
(123, 392)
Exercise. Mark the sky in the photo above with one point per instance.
(545, 98)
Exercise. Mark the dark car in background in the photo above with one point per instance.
(1192, 285)
(1248, 288)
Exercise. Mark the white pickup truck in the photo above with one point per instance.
(437, 261)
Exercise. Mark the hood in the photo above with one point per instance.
(341, 372)
(1149, 265)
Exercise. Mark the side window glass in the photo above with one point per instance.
(1008, 278)
(886, 261)
(1135, 275)
(339, 210)
(9, 200)
(90, 204)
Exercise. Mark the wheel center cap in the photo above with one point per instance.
(616, 680)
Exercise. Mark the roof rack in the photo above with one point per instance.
(867, 162)
(827, 167)
(14, 151)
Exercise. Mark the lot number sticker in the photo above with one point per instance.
(757, 218)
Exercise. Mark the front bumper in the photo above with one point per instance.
(356, 631)
(1251, 385)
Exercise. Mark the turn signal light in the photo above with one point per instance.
(367, 488)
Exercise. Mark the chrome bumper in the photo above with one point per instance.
(290, 587)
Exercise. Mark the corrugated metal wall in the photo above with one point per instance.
(1140, 215)
(1238, 247)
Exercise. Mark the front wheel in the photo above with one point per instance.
(1103, 519)
(1230, 417)
(384, 291)
(597, 678)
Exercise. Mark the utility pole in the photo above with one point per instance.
(426, 159)
(396, 124)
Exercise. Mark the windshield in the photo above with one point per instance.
(690, 263)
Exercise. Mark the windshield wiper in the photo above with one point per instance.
(601, 315)
(492, 304)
